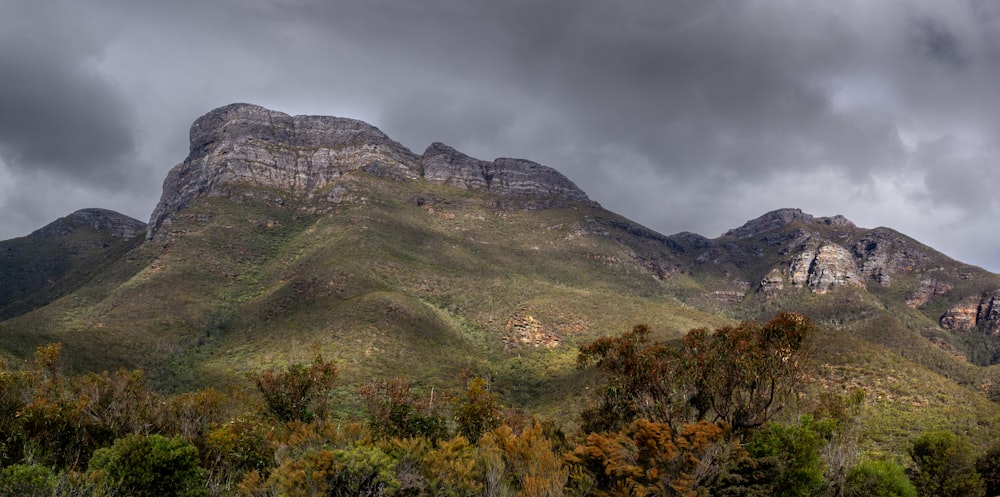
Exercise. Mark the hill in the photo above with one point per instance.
(280, 232)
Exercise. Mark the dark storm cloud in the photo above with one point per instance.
(682, 114)
(58, 115)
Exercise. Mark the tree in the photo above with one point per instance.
(944, 465)
(796, 451)
(395, 410)
(150, 466)
(478, 410)
(647, 458)
(743, 375)
(297, 392)
(641, 380)
(740, 375)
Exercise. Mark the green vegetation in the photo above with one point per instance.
(149, 466)
(945, 465)
(107, 434)
(879, 478)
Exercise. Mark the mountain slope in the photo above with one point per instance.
(60, 257)
(279, 232)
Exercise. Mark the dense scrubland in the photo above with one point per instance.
(718, 412)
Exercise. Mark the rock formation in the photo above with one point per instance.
(243, 144)
(783, 217)
(884, 254)
(984, 314)
(927, 289)
(822, 269)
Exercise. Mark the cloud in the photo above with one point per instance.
(59, 114)
(683, 114)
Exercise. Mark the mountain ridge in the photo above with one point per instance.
(246, 143)
(395, 263)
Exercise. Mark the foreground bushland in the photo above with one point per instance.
(694, 417)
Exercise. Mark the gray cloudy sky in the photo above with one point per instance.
(684, 115)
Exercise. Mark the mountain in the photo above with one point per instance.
(60, 257)
(279, 233)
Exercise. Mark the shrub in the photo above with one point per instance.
(361, 471)
(150, 466)
(944, 465)
(527, 463)
(477, 411)
(297, 392)
(796, 448)
(988, 467)
(878, 478)
(647, 457)
(395, 410)
(26, 481)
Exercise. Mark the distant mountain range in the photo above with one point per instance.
(279, 232)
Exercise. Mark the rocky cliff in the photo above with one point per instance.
(243, 144)
(983, 313)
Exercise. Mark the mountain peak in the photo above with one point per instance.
(240, 122)
(116, 224)
(783, 217)
(250, 145)
(503, 176)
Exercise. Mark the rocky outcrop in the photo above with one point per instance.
(445, 165)
(523, 330)
(772, 283)
(243, 144)
(984, 314)
(822, 269)
(961, 317)
(884, 254)
(833, 267)
(248, 144)
(516, 177)
(783, 217)
(988, 313)
(926, 290)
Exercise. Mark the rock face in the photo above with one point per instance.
(884, 254)
(928, 289)
(250, 145)
(985, 314)
(445, 165)
(822, 269)
(823, 253)
(523, 330)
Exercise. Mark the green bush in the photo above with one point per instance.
(796, 450)
(26, 481)
(297, 392)
(478, 410)
(879, 478)
(944, 465)
(988, 467)
(149, 466)
(362, 471)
